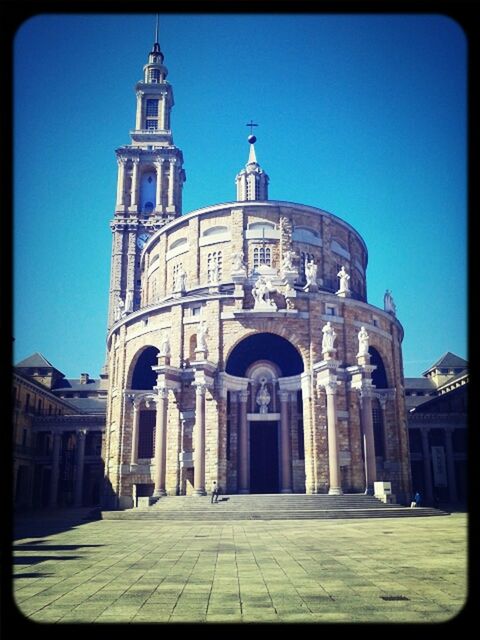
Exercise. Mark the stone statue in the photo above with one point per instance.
(129, 302)
(165, 344)
(181, 280)
(362, 342)
(261, 293)
(344, 278)
(263, 397)
(287, 260)
(214, 273)
(202, 332)
(237, 261)
(119, 309)
(328, 340)
(388, 303)
(310, 273)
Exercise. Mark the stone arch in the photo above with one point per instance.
(264, 346)
(379, 375)
(140, 371)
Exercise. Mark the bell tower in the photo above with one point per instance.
(149, 185)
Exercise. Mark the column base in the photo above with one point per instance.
(335, 491)
(159, 494)
(369, 491)
(199, 492)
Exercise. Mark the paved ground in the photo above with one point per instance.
(381, 570)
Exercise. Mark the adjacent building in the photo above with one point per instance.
(437, 423)
(58, 427)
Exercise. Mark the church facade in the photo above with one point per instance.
(241, 345)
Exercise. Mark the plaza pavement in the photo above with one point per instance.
(313, 571)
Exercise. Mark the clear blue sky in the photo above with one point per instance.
(363, 116)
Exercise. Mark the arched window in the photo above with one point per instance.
(379, 375)
(148, 186)
(214, 266)
(154, 75)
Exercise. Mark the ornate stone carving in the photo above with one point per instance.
(261, 293)
(129, 302)
(287, 260)
(119, 309)
(263, 397)
(238, 265)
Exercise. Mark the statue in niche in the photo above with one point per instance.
(287, 260)
(237, 261)
(388, 303)
(165, 345)
(328, 340)
(261, 293)
(181, 280)
(263, 397)
(344, 278)
(202, 332)
(129, 302)
(310, 274)
(119, 309)
(362, 342)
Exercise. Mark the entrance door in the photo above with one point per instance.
(264, 457)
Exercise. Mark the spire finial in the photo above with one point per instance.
(156, 29)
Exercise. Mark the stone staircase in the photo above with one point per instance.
(269, 507)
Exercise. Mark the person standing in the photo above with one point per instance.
(214, 493)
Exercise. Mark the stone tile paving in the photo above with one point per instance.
(245, 571)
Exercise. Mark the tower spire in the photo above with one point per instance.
(252, 182)
(156, 31)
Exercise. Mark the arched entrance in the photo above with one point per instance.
(266, 437)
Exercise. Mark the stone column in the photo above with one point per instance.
(134, 193)
(333, 457)
(57, 441)
(199, 445)
(367, 423)
(427, 467)
(285, 445)
(135, 427)
(171, 184)
(161, 443)
(121, 183)
(452, 480)
(243, 446)
(79, 462)
(138, 120)
(158, 195)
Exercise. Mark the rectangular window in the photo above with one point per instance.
(154, 75)
(330, 310)
(151, 125)
(27, 402)
(146, 431)
(196, 311)
(152, 108)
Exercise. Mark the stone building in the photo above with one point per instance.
(58, 429)
(241, 345)
(437, 410)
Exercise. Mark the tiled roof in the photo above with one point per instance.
(35, 360)
(448, 360)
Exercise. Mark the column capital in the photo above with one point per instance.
(158, 162)
(243, 396)
(200, 388)
(284, 396)
(121, 160)
(331, 387)
(173, 160)
(135, 161)
(82, 432)
(162, 394)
